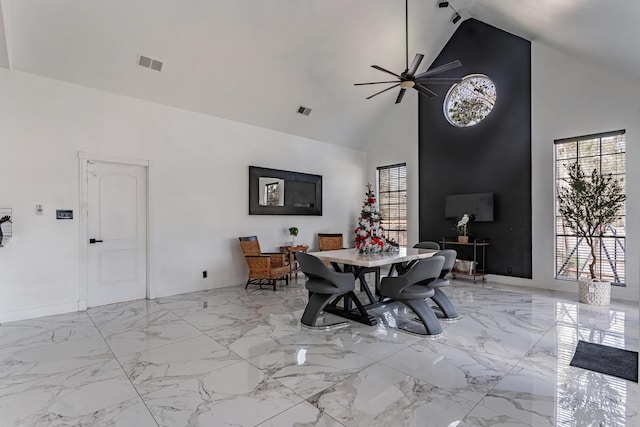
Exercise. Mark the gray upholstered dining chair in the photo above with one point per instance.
(324, 286)
(427, 245)
(420, 245)
(440, 298)
(334, 241)
(412, 288)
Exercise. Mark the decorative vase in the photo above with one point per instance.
(594, 292)
(463, 239)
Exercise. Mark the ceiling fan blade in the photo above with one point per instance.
(374, 83)
(384, 71)
(400, 96)
(441, 69)
(414, 64)
(384, 90)
(438, 81)
(425, 91)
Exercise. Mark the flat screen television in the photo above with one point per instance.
(479, 205)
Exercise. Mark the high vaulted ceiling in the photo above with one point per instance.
(257, 61)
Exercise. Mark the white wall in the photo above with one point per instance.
(395, 140)
(199, 185)
(571, 98)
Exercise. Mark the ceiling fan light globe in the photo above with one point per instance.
(408, 84)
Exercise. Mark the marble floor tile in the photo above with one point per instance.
(239, 394)
(492, 334)
(54, 358)
(25, 334)
(556, 348)
(129, 315)
(264, 335)
(374, 342)
(238, 295)
(308, 370)
(235, 356)
(468, 374)
(527, 310)
(176, 362)
(302, 415)
(166, 330)
(525, 396)
(184, 305)
(603, 318)
(565, 396)
(382, 396)
(222, 317)
(483, 417)
(591, 398)
(96, 395)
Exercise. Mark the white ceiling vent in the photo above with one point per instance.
(147, 62)
(304, 110)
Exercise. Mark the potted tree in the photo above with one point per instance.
(587, 205)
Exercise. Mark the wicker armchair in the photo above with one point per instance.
(264, 268)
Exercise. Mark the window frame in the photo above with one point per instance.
(398, 234)
(617, 242)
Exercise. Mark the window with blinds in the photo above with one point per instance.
(392, 198)
(606, 153)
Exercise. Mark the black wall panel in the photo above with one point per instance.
(492, 156)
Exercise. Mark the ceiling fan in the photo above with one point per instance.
(408, 78)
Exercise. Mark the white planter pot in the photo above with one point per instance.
(594, 292)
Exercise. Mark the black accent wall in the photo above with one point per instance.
(492, 156)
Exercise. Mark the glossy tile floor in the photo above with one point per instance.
(240, 358)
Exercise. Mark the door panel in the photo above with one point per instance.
(117, 266)
(117, 220)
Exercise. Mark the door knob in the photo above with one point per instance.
(92, 241)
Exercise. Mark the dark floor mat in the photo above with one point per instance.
(606, 360)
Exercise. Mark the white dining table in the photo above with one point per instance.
(352, 257)
(360, 264)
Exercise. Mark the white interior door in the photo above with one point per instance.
(117, 230)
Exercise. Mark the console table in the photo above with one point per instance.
(291, 254)
(479, 268)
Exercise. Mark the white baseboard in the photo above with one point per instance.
(566, 286)
(40, 311)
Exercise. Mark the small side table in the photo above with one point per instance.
(291, 253)
(478, 270)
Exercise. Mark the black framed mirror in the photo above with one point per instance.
(280, 192)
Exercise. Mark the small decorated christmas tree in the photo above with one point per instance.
(370, 234)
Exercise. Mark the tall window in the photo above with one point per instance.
(605, 152)
(392, 196)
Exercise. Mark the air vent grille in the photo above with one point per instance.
(156, 65)
(304, 110)
(146, 62)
